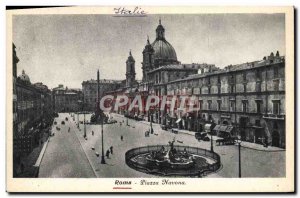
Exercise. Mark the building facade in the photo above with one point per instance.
(90, 90)
(246, 100)
(67, 100)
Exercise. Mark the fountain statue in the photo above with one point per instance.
(168, 159)
(171, 158)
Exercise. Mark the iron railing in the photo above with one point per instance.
(210, 167)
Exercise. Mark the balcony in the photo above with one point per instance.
(271, 116)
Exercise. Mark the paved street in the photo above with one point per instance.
(66, 158)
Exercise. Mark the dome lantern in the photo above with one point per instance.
(160, 31)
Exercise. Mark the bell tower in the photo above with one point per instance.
(130, 70)
(148, 59)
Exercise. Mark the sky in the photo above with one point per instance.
(68, 49)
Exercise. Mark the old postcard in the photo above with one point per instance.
(150, 99)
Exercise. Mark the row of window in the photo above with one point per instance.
(233, 87)
(232, 106)
(231, 79)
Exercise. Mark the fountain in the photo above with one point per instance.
(169, 158)
(172, 160)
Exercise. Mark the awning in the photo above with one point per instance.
(223, 128)
(178, 120)
(207, 127)
(229, 129)
(217, 128)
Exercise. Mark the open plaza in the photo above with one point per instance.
(69, 154)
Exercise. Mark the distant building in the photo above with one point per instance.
(67, 100)
(89, 90)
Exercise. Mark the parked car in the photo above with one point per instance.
(174, 130)
(111, 121)
(206, 138)
(226, 141)
(202, 136)
(140, 118)
(164, 127)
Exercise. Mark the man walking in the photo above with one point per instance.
(111, 150)
(107, 154)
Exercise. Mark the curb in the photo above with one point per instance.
(39, 160)
(85, 154)
(279, 150)
(41, 155)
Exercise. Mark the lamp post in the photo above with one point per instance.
(79, 104)
(151, 128)
(239, 141)
(102, 157)
(84, 126)
(78, 119)
(211, 143)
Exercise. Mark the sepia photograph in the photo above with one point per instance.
(139, 97)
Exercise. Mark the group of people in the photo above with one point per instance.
(109, 151)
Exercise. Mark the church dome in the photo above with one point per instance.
(24, 77)
(163, 50)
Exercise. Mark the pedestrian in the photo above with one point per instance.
(92, 133)
(266, 142)
(107, 153)
(121, 137)
(69, 129)
(111, 150)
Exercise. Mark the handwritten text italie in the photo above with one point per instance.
(136, 11)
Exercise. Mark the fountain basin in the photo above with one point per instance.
(188, 161)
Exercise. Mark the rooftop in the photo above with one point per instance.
(239, 67)
(92, 81)
(177, 67)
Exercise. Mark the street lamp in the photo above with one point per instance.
(239, 141)
(211, 142)
(79, 103)
(77, 119)
(102, 157)
(151, 128)
(84, 126)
